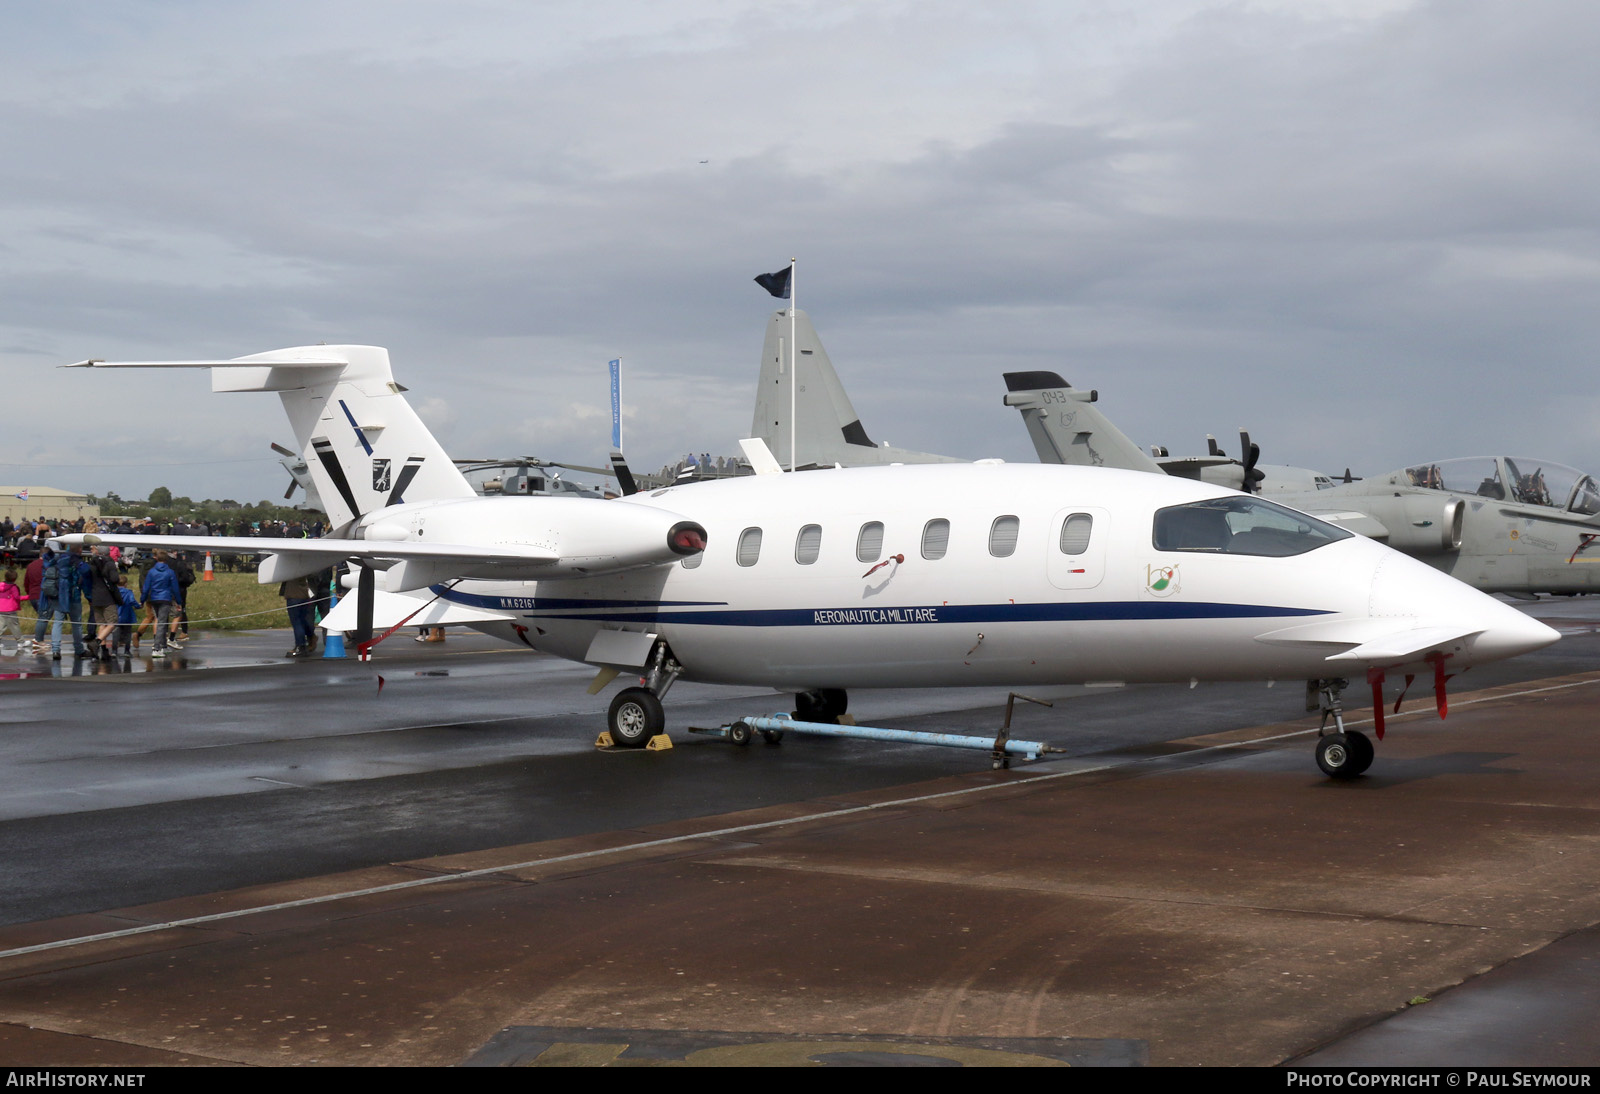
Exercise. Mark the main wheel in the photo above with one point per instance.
(824, 705)
(635, 717)
(1338, 757)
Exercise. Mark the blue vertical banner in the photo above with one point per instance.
(616, 404)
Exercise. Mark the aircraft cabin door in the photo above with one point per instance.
(1075, 557)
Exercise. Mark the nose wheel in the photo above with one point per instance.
(1344, 755)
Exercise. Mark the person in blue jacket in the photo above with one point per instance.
(161, 591)
(127, 616)
(61, 595)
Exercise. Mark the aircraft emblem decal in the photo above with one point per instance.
(380, 476)
(1161, 580)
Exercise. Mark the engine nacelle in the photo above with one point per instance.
(1420, 524)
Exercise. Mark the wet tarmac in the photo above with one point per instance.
(444, 870)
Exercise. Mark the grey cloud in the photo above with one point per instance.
(1369, 240)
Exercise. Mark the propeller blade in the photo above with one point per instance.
(280, 450)
(619, 467)
(1252, 454)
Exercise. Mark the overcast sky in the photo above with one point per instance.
(1364, 229)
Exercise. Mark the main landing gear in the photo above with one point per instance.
(1344, 753)
(636, 717)
(825, 705)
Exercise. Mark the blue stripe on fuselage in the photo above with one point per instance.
(704, 613)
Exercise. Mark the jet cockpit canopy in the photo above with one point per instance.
(1507, 478)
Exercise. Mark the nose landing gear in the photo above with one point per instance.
(1344, 753)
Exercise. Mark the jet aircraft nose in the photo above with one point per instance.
(1404, 588)
(1511, 635)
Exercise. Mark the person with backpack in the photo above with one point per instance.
(185, 571)
(60, 591)
(103, 603)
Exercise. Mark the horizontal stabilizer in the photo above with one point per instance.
(1034, 381)
(392, 609)
(236, 362)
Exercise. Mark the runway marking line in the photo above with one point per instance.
(760, 826)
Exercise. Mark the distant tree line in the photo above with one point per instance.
(163, 508)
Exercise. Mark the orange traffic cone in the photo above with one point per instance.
(209, 575)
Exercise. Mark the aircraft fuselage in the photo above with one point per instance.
(842, 593)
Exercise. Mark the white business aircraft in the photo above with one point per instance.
(900, 576)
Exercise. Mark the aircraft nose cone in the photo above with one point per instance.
(1405, 588)
(1512, 635)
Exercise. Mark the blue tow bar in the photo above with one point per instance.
(1001, 747)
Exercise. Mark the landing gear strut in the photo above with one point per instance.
(1344, 753)
(824, 705)
(636, 715)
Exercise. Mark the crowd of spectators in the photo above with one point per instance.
(95, 592)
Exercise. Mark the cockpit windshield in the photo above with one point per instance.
(1479, 475)
(1241, 526)
(1531, 482)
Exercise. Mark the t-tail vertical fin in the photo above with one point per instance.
(364, 447)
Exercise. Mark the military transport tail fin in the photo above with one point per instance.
(1067, 428)
(827, 429)
(363, 445)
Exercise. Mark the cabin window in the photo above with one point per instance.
(1003, 536)
(869, 544)
(694, 560)
(808, 544)
(935, 538)
(1075, 532)
(749, 546)
(1241, 526)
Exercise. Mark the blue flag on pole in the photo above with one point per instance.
(616, 404)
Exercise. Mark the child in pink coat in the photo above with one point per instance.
(10, 605)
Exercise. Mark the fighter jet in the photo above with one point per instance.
(906, 577)
(1516, 526)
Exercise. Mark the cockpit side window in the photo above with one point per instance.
(1241, 526)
